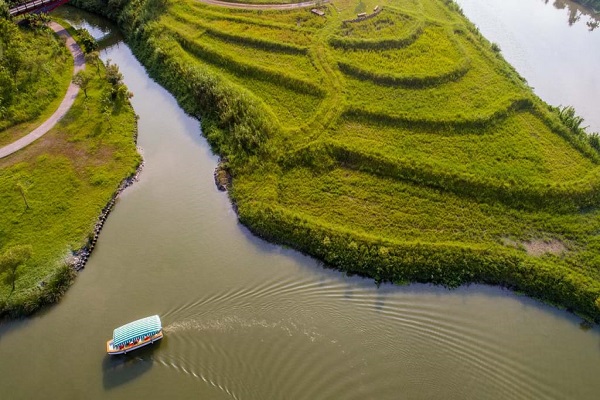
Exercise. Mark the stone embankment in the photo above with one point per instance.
(81, 256)
(222, 176)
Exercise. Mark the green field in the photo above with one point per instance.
(402, 147)
(35, 72)
(52, 191)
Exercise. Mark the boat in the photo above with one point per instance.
(135, 335)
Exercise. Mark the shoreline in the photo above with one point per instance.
(81, 256)
(50, 288)
(450, 264)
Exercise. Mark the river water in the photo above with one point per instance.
(245, 319)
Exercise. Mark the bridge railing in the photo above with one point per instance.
(31, 6)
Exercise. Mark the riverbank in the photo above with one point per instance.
(53, 191)
(372, 173)
(66, 102)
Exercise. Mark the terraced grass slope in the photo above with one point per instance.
(401, 146)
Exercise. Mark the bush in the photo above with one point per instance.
(4, 10)
(86, 41)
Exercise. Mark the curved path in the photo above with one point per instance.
(64, 106)
(289, 6)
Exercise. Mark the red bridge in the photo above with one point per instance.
(36, 6)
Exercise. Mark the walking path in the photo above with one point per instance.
(64, 106)
(289, 6)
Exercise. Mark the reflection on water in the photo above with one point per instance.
(560, 60)
(578, 13)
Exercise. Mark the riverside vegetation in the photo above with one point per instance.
(401, 147)
(52, 191)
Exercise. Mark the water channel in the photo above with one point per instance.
(245, 319)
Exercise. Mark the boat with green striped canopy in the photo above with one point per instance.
(134, 335)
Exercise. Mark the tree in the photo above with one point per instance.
(23, 190)
(7, 86)
(113, 75)
(11, 261)
(82, 79)
(4, 10)
(13, 59)
(93, 58)
(86, 40)
(119, 92)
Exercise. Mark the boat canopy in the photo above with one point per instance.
(136, 330)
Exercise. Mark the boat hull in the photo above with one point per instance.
(126, 349)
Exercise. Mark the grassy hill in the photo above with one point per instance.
(401, 146)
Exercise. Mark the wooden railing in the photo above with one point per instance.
(36, 6)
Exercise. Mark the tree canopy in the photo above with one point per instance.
(11, 260)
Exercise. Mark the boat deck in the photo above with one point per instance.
(133, 346)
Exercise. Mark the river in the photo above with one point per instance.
(244, 319)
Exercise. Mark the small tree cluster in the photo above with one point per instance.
(35, 21)
(86, 41)
(118, 92)
(4, 10)
(10, 63)
(11, 261)
(83, 79)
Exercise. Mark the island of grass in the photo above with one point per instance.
(397, 145)
(52, 191)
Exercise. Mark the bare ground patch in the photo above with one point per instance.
(538, 247)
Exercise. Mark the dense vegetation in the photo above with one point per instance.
(35, 71)
(52, 191)
(402, 147)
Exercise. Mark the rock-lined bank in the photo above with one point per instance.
(222, 176)
(81, 256)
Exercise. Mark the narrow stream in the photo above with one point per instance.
(245, 319)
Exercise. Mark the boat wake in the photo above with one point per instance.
(200, 376)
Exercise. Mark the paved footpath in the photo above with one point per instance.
(65, 105)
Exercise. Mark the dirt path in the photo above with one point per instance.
(64, 106)
(289, 6)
